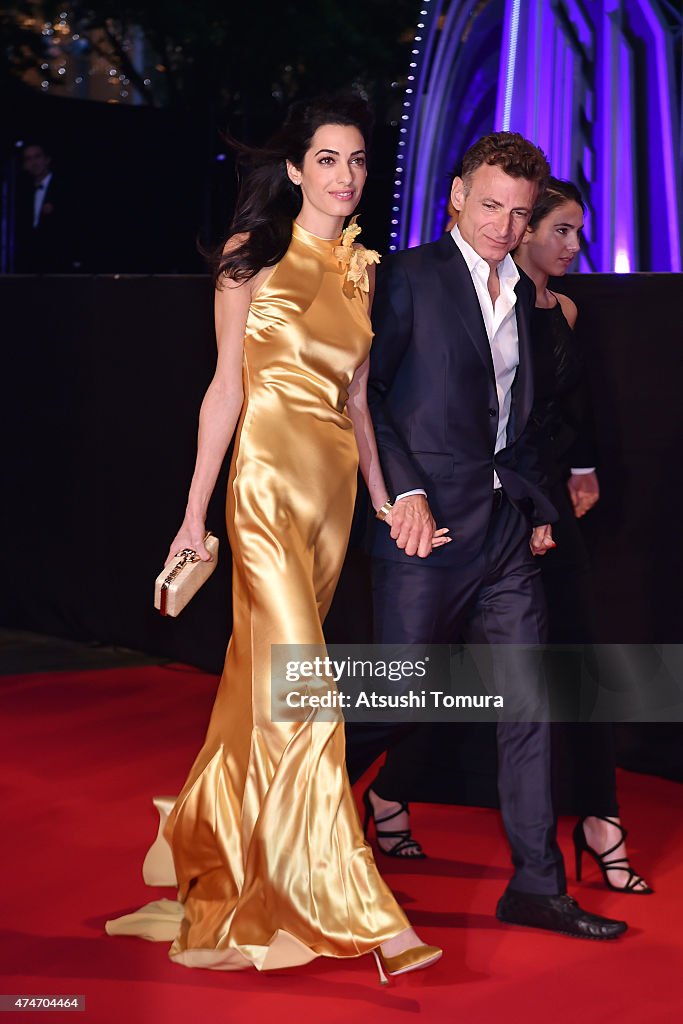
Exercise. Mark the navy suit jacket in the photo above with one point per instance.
(432, 396)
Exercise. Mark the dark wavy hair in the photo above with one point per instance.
(268, 201)
(557, 193)
(512, 153)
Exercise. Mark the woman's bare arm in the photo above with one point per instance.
(368, 456)
(219, 411)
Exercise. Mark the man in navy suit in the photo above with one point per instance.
(450, 392)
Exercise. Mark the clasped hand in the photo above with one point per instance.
(542, 540)
(413, 527)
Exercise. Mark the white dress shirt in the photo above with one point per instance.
(39, 198)
(501, 329)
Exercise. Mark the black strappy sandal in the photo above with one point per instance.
(618, 864)
(405, 840)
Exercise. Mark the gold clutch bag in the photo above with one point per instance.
(180, 580)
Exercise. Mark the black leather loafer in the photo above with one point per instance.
(556, 914)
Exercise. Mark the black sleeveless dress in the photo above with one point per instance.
(584, 780)
(563, 430)
(561, 413)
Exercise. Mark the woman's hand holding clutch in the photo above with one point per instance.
(191, 560)
(190, 535)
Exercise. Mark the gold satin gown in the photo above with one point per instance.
(270, 858)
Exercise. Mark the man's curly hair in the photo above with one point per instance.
(512, 153)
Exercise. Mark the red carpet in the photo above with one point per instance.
(86, 751)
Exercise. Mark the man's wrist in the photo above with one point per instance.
(407, 494)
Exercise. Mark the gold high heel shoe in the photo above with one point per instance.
(413, 959)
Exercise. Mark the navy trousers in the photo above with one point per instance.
(497, 601)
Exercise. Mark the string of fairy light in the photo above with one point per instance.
(80, 61)
(410, 101)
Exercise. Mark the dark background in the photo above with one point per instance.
(146, 181)
(104, 377)
(147, 187)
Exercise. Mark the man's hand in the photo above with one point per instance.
(584, 491)
(541, 540)
(412, 525)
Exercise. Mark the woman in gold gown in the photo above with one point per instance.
(271, 862)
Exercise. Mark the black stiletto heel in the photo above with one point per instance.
(617, 864)
(405, 840)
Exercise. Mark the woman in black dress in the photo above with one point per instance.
(584, 763)
(583, 753)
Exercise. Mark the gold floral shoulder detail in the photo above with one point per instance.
(356, 259)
